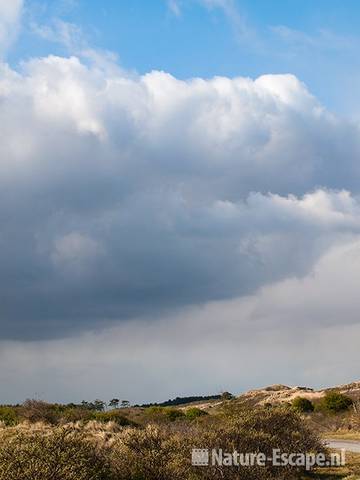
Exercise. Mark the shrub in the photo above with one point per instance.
(113, 416)
(76, 414)
(39, 411)
(173, 413)
(334, 402)
(57, 454)
(153, 453)
(192, 413)
(156, 452)
(9, 416)
(258, 430)
(154, 410)
(162, 414)
(164, 452)
(302, 405)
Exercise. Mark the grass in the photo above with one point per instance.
(351, 471)
(342, 435)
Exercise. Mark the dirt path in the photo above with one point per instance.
(348, 445)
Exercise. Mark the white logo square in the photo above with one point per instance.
(200, 457)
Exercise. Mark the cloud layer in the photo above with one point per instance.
(296, 331)
(128, 196)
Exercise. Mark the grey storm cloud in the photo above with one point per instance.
(126, 196)
(287, 331)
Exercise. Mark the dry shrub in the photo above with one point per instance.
(53, 454)
(164, 453)
(154, 453)
(99, 451)
(39, 411)
(260, 430)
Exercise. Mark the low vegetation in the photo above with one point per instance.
(114, 441)
(51, 454)
(303, 405)
(110, 449)
(334, 402)
(9, 416)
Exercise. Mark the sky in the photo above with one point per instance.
(179, 197)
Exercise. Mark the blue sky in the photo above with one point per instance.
(316, 40)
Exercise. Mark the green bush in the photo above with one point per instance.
(302, 405)
(334, 402)
(163, 414)
(50, 455)
(193, 413)
(112, 416)
(76, 414)
(9, 416)
(173, 414)
(154, 410)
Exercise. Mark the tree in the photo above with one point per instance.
(88, 405)
(99, 405)
(125, 404)
(114, 403)
(227, 396)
